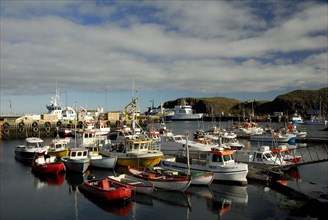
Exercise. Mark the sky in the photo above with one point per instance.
(101, 53)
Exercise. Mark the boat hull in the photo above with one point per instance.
(236, 173)
(52, 168)
(79, 166)
(139, 161)
(119, 193)
(137, 185)
(163, 182)
(104, 162)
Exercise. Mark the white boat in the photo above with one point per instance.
(185, 112)
(246, 129)
(56, 107)
(262, 157)
(294, 131)
(88, 138)
(25, 153)
(100, 161)
(176, 144)
(218, 161)
(77, 160)
(316, 121)
(271, 136)
(137, 184)
(162, 181)
(296, 118)
(197, 178)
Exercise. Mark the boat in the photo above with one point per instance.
(247, 129)
(25, 153)
(46, 164)
(271, 136)
(185, 112)
(197, 178)
(88, 138)
(59, 147)
(106, 189)
(57, 108)
(175, 144)
(261, 157)
(130, 145)
(296, 118)
(160, 180)
(77, 160)
(99, 161)
(136, 184)
(218, 161)
(284, 152)
(316, 120)
(292, 129)
(131, 148)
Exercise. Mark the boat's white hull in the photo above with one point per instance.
(236, 172)
(79, 166)
(104, 162)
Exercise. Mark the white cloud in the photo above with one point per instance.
(180, 46)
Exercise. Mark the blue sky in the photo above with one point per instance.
(97, 52)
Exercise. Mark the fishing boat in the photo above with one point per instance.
(25, 153)
(218, 161)
(106, 189)
(77, 160)
(131, 146)
(160, 180)
(46, 164)
(99, 161)
(296, 118)
(59, 147)
(261, 157)
(136, 184)
(271, 136)
(287, 154)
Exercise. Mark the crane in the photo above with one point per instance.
(10, 105)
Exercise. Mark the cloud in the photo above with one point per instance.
(181, 46)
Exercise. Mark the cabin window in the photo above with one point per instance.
(84, 153)
(73, 154)
(136, 146)
(226, 157)
(259, 156)
(268, 155)
(112, 136)
(79, 154)
(217, 158)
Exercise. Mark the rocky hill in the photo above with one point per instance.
(302, 101)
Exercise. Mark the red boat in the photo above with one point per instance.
(106, 189)
(45, 164)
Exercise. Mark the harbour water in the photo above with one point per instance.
(25, 195)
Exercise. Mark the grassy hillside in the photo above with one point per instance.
(300, 100)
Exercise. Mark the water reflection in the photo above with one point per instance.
(115, 207)
(172, 197)
(41, 180)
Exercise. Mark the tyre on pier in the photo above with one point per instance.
(59, 123)
(47, 124)
(34, 124)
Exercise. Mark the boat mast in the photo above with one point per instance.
(187, 150)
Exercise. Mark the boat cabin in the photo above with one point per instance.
(78, 153)
(34, 142)
(263, 155)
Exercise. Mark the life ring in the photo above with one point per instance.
(59, 123)
(6, 126)
(21, 125)
(34, 124)
(47, 124)
(35, 129)
(47, 128)
(6, 131)
(21, 129)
